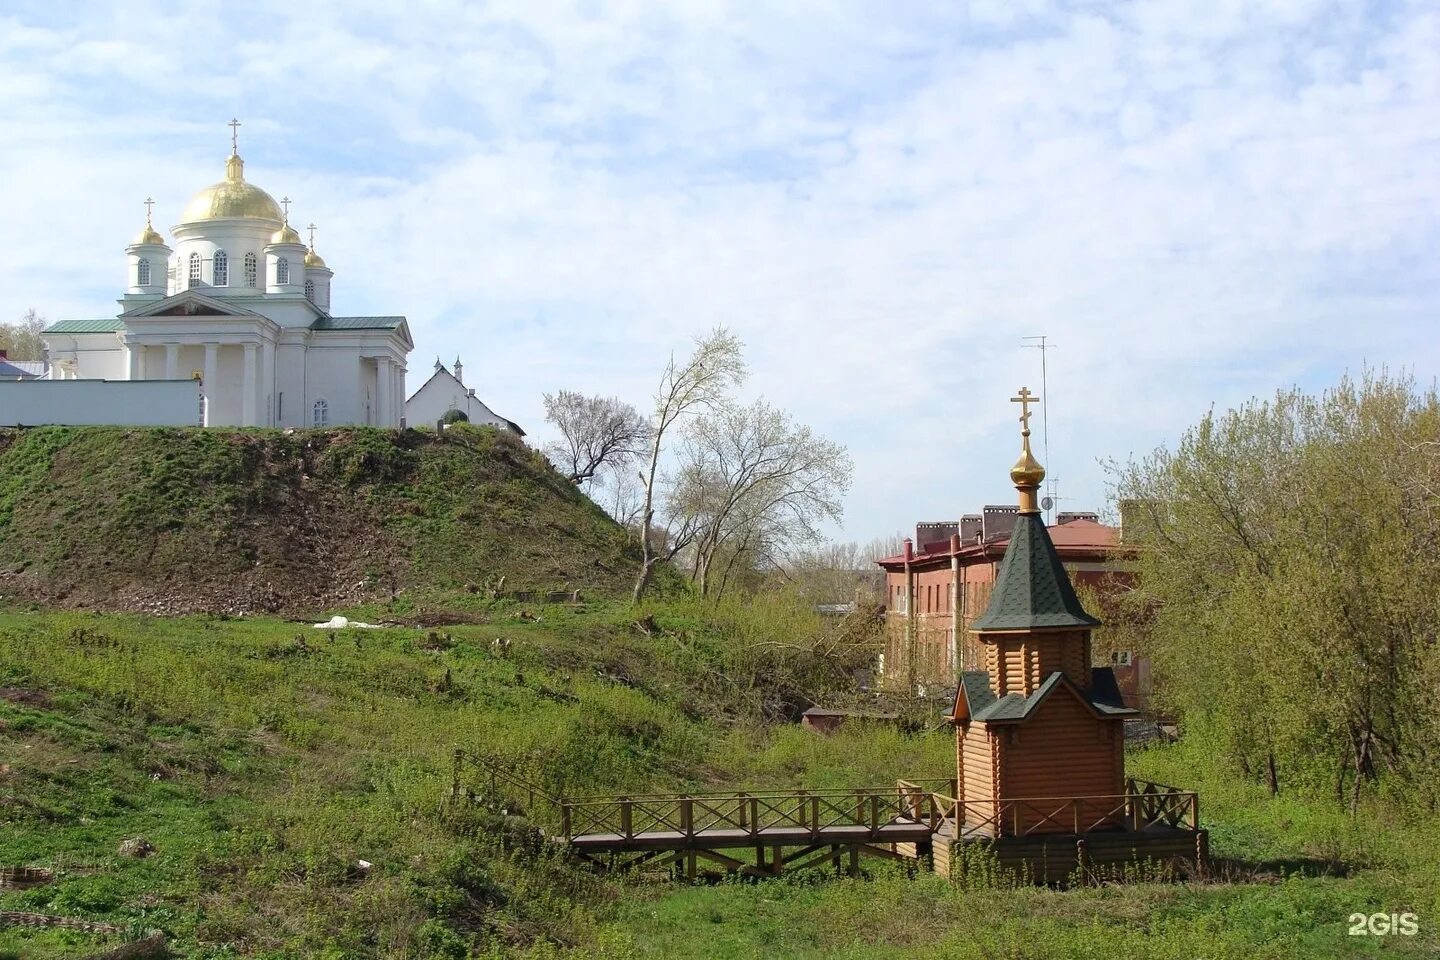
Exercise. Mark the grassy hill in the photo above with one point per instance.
(179, 520)
(264, 760)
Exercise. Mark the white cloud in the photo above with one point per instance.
(1196, 201)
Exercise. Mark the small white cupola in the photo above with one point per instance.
(317, 276)
(285, 258)
(148, 260)
(459, 372)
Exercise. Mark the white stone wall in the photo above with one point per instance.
(138, 403)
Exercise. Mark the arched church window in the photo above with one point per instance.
(194, 269)
(321, 416)
(282, 270)
(251, 275)
(310, 290)
(142, 272)
(220, 269)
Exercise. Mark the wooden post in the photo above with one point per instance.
(626, 822)
(854, 860)
(874, 813)
(687, 817)
(741, 809)
(1194, 811)
(1075, 811)
(1014, 819)
(754, 817)
(690, 865)
(455, 785)
(815, 816)
(565, 820)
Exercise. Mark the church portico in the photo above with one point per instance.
(241, 304)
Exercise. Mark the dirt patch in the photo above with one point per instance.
(25, 697)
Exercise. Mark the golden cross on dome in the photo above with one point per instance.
(312, 236)
(285, 202)
(234, 126)
(149, 204)
(1025, 399)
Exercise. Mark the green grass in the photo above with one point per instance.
(264, 759)
(178, 519)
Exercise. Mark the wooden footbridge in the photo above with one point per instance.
(764, 833)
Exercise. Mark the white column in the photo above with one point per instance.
(267, 381)
(211, 383)
(137, 362)
(247, 416)
(399, 394)
(172, 361)
(383, 385)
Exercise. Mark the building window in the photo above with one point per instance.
(310, 290)
(321, 417)
(282, 270)
(142, 272)
(220, 269)
(194, 270)
(251, 275)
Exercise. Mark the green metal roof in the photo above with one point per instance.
(1032, 589)
(107, 325)
(357, 323)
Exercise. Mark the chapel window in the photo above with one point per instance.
(282, 270)
(310, 290)
(321, 416)
(194, 269)
(220, 269)
(251, 274)
(142, 272)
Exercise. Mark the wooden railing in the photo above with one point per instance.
(1143, 805)
(750, 813)
(931, 802)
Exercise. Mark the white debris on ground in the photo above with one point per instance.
(341, 623)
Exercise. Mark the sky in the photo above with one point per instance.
(1195, 202)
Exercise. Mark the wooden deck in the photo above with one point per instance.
(765, 833)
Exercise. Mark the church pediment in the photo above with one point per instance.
(189, 304)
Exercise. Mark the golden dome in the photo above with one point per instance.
(232, 198)
(148, 237)
(314, 260)
(286, 234)
(1027, 471)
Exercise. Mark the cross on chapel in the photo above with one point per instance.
(1025, 399)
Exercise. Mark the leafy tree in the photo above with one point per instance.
(699, 383)
(21, 340)
(1290, 555)
(754, 484)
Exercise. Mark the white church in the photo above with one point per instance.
(239, 305)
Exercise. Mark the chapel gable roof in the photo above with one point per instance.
(1032, 589)
(975, 700)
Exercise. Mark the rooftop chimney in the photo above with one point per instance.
(998, 520)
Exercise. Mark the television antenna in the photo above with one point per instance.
(1044, 346)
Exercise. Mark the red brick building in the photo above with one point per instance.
(941, 583)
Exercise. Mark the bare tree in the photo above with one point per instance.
(704, 380)
(757, 484)
(21, 340)
(597, 432)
